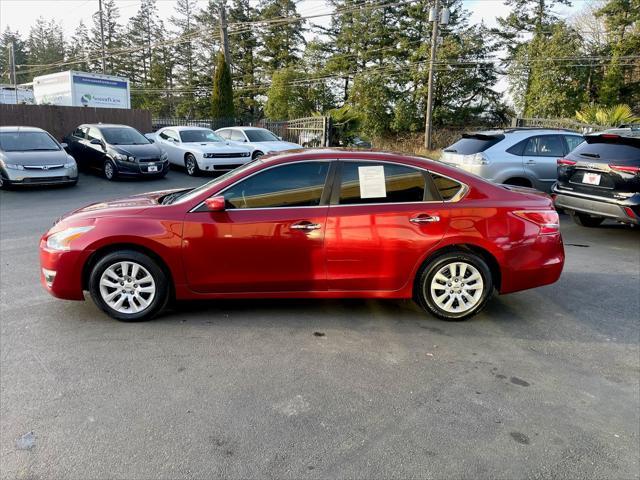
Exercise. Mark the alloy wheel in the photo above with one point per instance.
(108, 170)
(127, 287)
(191, 165)
(457, 287)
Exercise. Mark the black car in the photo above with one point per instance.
(600, 179)
(116, 150)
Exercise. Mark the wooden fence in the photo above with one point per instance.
(59, 121)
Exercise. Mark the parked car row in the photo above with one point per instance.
(592, 177)
(30, 155)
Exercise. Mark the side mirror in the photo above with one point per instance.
(215, 204)
(64, 145)
(95, 141)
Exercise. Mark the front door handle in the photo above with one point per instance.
(305, 226)
(425, 219)
(531, 162)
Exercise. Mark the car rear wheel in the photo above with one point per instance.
(585, 220)
(129, 286)
(454, 286)
(191, 164)
(109, 170)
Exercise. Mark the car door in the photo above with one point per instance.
(540, 157)
(382, 220)
(74, 143)
(168, 141)
(94, 152)
(268, 239)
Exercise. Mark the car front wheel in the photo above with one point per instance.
(129, 286)
(454, 286)
(109, 170)
(191, 164)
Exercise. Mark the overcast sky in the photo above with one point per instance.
(21, 14)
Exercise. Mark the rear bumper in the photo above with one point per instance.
(620, 211)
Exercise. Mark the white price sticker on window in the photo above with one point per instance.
(372, 182)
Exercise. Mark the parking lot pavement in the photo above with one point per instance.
(542, 384)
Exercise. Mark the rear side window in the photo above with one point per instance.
(373, 182)
(93, 134)
(617, 153)
(224, 134)
(79, 132)
(573, 141)
(447, 188)
(544, 146)
(473, 143)
(294, 185)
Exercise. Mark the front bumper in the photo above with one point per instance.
(142, 168)
(55, 176)
(61, 272)
(221, 164)
(623, 211)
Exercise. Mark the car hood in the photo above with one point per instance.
(53, 157)
(138, 151)
(276, 146)
(216, 147)
(132, 205)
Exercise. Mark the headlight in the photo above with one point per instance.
(132, 159)
(119, 156)
(62, 240)
(245, 154)
(13, 166)
(164, 156)
(207, 155)
(70, 164)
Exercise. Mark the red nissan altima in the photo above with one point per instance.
(322, 224)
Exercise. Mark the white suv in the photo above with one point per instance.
(519, 156)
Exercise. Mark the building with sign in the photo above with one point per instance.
(80, 89)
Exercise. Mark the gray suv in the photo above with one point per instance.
(518, 156)
(31, 156)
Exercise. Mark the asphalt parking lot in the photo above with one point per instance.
(542, 384)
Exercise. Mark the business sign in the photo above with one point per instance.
(100, 92)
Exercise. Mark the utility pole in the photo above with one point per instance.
(14, 80)
(104, 65)
(434, 16)
(224, 36)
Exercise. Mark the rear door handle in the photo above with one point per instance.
(531, 162)
(425, 219)
(305, 226)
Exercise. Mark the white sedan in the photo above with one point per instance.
(199, 149)
(261, 140)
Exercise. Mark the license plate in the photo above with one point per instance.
(152, 168)
(591, 178)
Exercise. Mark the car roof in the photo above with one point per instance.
(331, 153)
(21, 129)
(103, 125)
(524, 131)
(243, 128)
(180, 128)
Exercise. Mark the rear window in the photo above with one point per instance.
(606, 153)
(473, 143)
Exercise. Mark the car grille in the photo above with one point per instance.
(224, 155)
(155, 159)
(36, 180)
(42, 167)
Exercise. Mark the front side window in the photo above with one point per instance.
(167, 134)
(545, 146)
(225, 134)
(80, 132)
(94, 134)
(236, 136)
(373, 182)
(294, 185)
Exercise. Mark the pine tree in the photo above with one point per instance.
(113, 40)
(45, 45)
(222, 97)
(184, 23)
(282, 42)
(6, 39)
(79, 49)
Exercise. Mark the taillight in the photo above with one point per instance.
(565, 161)
(547, 220)
(625, 168)
(629, 211)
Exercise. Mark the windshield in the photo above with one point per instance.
(261, 136)
(123, 136)
(189, 195)
(27, 142)
(196, 136)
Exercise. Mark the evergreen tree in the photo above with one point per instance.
(286, 98)
(282, 41)
(6, 39)
(79, 49)
(184, 23)
(45, 45)
(113, 40)
(222, 97)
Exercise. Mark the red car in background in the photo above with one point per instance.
(322, 224)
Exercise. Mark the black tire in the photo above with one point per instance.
(585, 220)
(423, 292)
(160, 279)
(256, 154)
(518, 182)
(191, 165)
(109, 170)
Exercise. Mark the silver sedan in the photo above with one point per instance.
(31, 156)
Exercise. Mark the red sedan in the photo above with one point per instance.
(321, 224)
